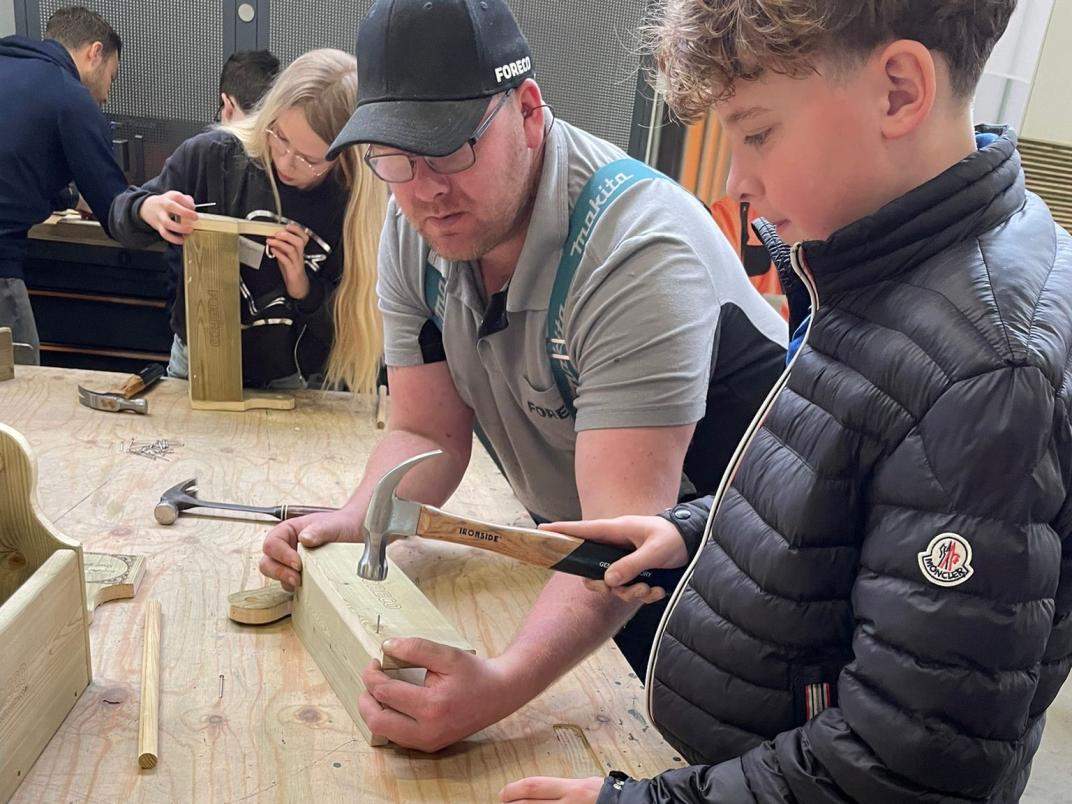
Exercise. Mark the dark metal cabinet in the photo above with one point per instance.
(99, 307)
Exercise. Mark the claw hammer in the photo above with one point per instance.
(390, 517)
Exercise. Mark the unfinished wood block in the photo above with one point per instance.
(111, 576)
(207, 222)
(7, 354)
(260, 606)
(214, 324)
(44, 628)
(336, 613)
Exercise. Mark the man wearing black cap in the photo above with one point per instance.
(579, 308)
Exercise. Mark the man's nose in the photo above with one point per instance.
(427, 184)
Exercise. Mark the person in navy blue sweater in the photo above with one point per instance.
(57, 134)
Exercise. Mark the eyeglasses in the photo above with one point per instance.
(283, 148)
(397, 168)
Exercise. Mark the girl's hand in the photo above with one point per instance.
(171, 214)
(288, 248)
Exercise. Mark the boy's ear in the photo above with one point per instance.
(910, 86)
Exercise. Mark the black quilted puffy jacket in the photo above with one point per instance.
(880, 612)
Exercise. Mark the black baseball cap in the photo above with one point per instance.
(426, 70)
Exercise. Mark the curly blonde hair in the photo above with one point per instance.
(701, 48)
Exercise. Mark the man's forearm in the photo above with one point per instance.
(566, 624)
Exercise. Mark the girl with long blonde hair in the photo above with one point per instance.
(308, 294)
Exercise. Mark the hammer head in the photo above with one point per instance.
(388, 517)
(177, 498)
(112, 403)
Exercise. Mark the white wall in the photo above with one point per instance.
(1049, 109)
(1004, 89)
(7, 17)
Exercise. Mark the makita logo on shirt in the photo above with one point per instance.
(513, 69)
(596, 206)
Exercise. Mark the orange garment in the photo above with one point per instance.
(735, 218)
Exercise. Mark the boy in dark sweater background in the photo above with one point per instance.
(879, 608)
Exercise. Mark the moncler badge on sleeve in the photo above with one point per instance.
(947, 560)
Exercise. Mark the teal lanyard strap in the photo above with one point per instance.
(609, 182)
(605, 185)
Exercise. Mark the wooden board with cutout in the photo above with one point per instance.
(111, 576)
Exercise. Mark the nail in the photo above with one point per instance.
(612, 578)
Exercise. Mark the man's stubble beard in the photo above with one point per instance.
(503, 228)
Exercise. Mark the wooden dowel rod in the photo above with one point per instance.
(381, 407)
(149, 717)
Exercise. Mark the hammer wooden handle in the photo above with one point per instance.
(541, 548)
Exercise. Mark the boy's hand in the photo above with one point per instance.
(171, 214)
(656, 544)
(281, 561)
(288, 248)
(547, 788)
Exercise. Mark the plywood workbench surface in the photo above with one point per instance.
(277, 732)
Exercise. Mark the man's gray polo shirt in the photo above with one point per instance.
(640, 319)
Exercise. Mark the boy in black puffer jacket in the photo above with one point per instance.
(879, 609)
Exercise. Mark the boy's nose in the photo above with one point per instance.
(741, 183)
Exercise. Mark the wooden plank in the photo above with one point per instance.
(251, 400)
(272, 729)
(207, 222)
(44, 663)
(214, 326)
(583, 760)
(7, 354)
(213, 319)
(63, 228)
(344, 620)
